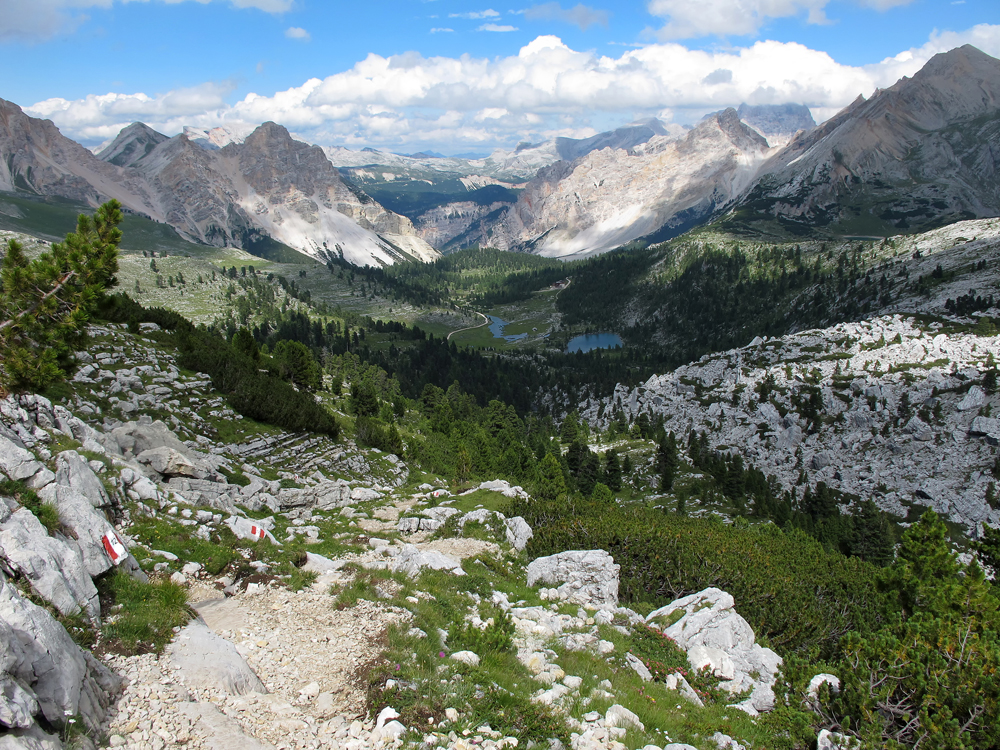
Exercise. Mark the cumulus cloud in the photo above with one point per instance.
(476, 15)
(439, 30)
(579, 15)
(294, 32)
(496, 27)
(412, 102)
(42, 19)
(687, 20)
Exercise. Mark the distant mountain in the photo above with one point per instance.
(267, 186)
(611, 196)
(131, 145)
(625, 138)
(922, 153)
(371, 167)
(778, 123)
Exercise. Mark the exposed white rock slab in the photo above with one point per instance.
(207, 661)
(588, 577)
(715, 636)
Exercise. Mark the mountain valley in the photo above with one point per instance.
(315, 463)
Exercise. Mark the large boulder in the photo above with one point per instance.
(588, 577)
(87, 524)
(715, 636)
(207, 661)
(169, 463)
(44, 671)
(145, 441)
(29, 739)
(133, 438)
(53, 567)
(72, 470)
(974, 399)
(16, 461)
(323, 496)
(411, 559)
(516, 529)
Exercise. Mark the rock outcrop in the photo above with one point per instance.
(43, 674)
(716, 637)
(588, 577)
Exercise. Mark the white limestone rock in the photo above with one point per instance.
(587, 577)
(54, 568)
(619, 716)
(827, 740)
(41, 658)
(638, 667)
(411, 559)
(169, 462)
(974, 399)
(73, 470)
(206, 661)
(466, 657)
(714, 635)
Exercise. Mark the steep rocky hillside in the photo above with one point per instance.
(267, 187)
(609, 197)
(311, 569)
(889, 409)
(918, 154)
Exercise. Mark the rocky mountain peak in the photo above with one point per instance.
(961, 62)
(131, 144)
(776, 121)
(266, 134)
(728, 123)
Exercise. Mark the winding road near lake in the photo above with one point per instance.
(486, 322)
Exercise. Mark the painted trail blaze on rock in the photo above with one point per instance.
(114, 547)
(257, 531)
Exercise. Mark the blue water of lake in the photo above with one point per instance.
(589, 341)
(497, 326)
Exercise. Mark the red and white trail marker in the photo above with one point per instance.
(114, 547)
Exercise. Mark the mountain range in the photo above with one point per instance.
(922, 153)
(268, 187)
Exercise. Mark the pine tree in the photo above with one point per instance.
(873, 539)
(935, 661)
(551, 483)
(667, 461)
(590, 472)
(627, 467)
(570, 428)
(602, 494)
(612, 470)
(46, 303)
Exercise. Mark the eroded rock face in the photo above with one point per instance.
(714, 635)
(206, 660)
(72, 470)
(611, 196)
(55, 568)
(45, 674)
(588, 577)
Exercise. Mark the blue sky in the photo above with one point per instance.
(453, 75)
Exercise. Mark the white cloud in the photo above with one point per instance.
(42, 19)
(579, 15)
(496, 27)
(476, 15)
(410, 102)
(686, 19)
(438, 30)
(294, 32)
